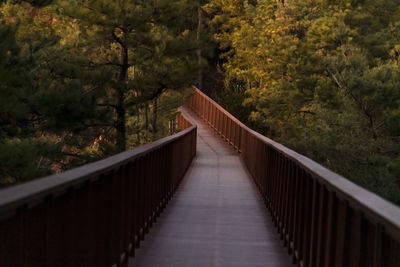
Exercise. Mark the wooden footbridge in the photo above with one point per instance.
(235, 198)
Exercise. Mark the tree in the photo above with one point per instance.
(24, 153)
(75, 78)
(145, 46)
(322, 79)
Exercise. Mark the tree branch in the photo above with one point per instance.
(117, 39)
(335, 79)
(108, 105)
(306, 112)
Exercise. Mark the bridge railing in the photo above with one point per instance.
(323, 218)
(94, 215)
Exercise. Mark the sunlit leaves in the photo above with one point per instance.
(320, 76)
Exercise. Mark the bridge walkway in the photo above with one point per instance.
(216, 218)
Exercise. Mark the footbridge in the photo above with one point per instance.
(215, 194)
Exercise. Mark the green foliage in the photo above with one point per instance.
(25, 159)
(144, 47)
(25, 153)
(322, 79)
(78, 78)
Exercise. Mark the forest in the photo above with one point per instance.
(84, 79)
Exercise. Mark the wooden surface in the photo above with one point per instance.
(216, 217)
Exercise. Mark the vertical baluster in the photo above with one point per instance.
(103, 211)
(269, 175)
(209, 112)
(259, 168)
(322, 222)
(272, 178)
(226, 127)
(306, 225)
(133, 194)
(229, 130)
(141, 198)
(202, 107)
(301, 216)
(127, 211)
(330, 229)
(264, 174)
(341, 242)
(156, 183)
(315, 213)
(286, 206)
(377, 253)
(147, 193)
(122, 220)
(275, 185)
(355, 238)
(197, 110)
(237, 135)
(160, 178)
(218, 121)
(79, 222)
(367, 244)
(115, 216)
(196, 103)
(242, 135)
(13, 238)
(35, 229)
(218, 124)
(296, 221)
(164, 178)
(197, 99)
(280, 194)
(221, 124)
(152, 186)
(136, 204)
(205, 110)
(214, 109)
(58, 232)
(234, 135)
(291, 205)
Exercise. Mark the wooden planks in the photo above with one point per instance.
(216, 218)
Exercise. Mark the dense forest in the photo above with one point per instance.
(85, 79)
(321, 77)
(82, 80)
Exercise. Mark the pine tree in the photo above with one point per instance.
(145, 47)
(74, 79)
(322, 79)
(24, 153)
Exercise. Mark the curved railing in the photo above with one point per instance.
(323, 218)
(94, 215)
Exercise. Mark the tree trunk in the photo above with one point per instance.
(147, 121)
(120, 124)
(199, 27)
(137, 124)
(154, 118)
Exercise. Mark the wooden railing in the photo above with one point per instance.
(97, 214)
(323, 218)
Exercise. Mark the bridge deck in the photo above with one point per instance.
(216, 217)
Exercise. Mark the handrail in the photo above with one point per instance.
(94, 215)
(323, 218)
